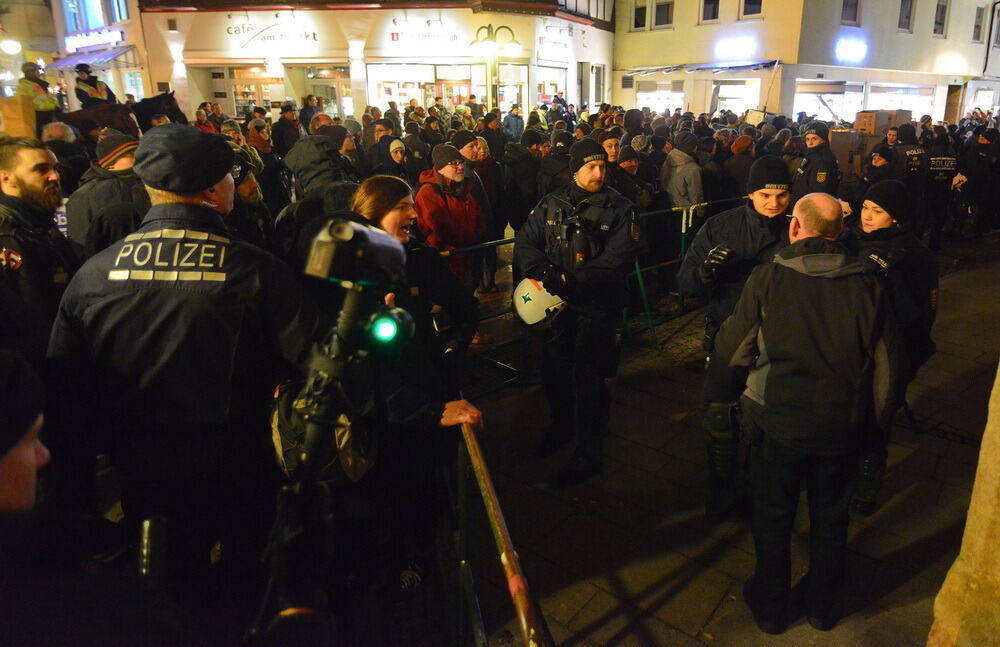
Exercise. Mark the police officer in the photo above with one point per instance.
(818, 171)
(178, 334)
(720, 259)
(36, 261)
(912, 167)
(90, 91)
(35, 86)
(579, 242)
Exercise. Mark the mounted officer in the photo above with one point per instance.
(90, 91)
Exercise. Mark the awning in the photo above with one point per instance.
(722, 66)
(102, 59)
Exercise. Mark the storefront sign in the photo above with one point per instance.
(249, 35)
(552, 49)
(422, 37)
(91, 38)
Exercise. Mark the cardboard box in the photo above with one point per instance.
(849, 147)
(17, 116)
(876, 122)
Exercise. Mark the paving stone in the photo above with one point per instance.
(608, 622)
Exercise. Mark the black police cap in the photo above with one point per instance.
(182, 159)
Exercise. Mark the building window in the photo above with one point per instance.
(850, 13)
(752, 8)
(905, 16)
(996, 38)
(977, 26)
(941, 18)
(119, 10)
(709, 10)
(663, 13)
(639, 15)
(74, 16)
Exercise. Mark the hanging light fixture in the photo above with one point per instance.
(9, 45)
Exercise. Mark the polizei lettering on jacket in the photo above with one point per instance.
(171, 255)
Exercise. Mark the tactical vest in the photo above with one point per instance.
(99, 92)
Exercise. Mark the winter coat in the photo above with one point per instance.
(912, 284)
(520, 183)
(496, 140)
(754, 239)
(821, 375)
(451, 216)
(680, 177)
(88, 207)
(554, 173)
(284, 134)
(513, 125)
(817, 173)
(737, 171)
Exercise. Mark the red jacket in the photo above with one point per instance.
(451, 216)
(206, 126)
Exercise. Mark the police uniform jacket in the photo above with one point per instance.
(181, 333)
(754, 239)
(591, 239)
(92, 93)
(817, 173)
(36, 265)
(820, 375)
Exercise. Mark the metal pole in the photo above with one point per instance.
(529, 616)
(645, 303)
(470, 617)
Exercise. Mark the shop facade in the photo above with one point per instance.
(107, 36)
(356, 58)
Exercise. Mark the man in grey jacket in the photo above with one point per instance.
(816, 330)
(680, 176)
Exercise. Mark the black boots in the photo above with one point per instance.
(723, 462)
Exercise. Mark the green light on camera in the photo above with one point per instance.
(385, 329)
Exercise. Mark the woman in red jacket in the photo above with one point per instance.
(451, 212)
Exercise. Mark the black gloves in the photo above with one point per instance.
(554, 283)
(715, 260)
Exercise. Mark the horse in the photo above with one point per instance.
(116, 116)
(161, 104)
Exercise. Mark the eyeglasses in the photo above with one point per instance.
(455, 164)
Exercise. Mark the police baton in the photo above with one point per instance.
(529, 616)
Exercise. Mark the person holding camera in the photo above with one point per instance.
(177, 335)
(579, 242)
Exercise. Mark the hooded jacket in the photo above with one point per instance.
(451, 216)
(820, 375)
(554, 173)
(99, 189)
(680, 177)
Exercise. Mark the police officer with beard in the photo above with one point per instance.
(579, 242)
(818, 171)
(717, 265)
(177, 335)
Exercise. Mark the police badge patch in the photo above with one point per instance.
(821, 176)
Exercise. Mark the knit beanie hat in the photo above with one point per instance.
(626, 154)
(818, 128)
(742, 143)
(337, 135)
(443, 155)
(585, 151)
(584, 127)
(892, 196)
(113, 147)
(769, 172)
(886, 152)
(21, 398)
(489, 118)
(396, 144)
(686, 142)
(462, 138)
(640, 142)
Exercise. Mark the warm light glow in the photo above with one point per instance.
(851, 50)
(355, 49)
(10, 46)
(512, 50)
(741, 48)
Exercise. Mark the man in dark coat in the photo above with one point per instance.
(521, 166)
(717, 265)
(285, 132)
(820, 377)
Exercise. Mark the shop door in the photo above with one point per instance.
(454, 92)
(337, 97)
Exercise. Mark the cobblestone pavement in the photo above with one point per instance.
(624, 559)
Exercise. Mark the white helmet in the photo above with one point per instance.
(533, 304)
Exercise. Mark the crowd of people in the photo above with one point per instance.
(164, 318)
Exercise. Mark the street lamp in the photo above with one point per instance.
(489, 46)
(8, 45)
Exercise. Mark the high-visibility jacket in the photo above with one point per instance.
(93, 95)
(43, 101)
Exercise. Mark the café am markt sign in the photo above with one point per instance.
(74, 42)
